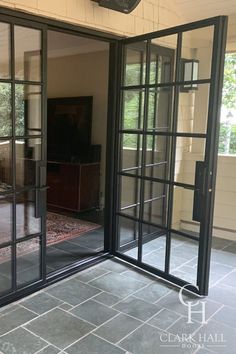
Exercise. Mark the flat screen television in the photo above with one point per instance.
(69, 127)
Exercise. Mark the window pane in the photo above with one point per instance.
(155, 249)
(133, 109)
(160, 109)
(128, 231)
(5, 110)
(131, 153)
(157, 156)
(129, 203)
(28, 152)
(5, 270)
(28, 110)
(28, 262)
(5, 50)
(135, 56)
(155, 195)
(5, 166)
(27, 54)
(26, 222)
(6, 220)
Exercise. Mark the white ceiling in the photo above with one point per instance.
(192, 10)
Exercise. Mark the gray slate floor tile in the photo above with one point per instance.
(73, 292)
(107, 298)
(137, 308)
(59, 328)
(148, 340)
(94, 312)
(164, 319)
(153, 292)
(182, 326)
(115, 265)
(117, 284)
(50, 349)
(41, 303)
(21, 341)
(90, 274)
(223, 294)
(117, 328)
(14, 319)
(226, 315)
(92, 344)
(230, 279)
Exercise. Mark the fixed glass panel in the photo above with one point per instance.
(28, 261)
(5, 270)
(133, 103)
(130, 198)
(186, 211)
(26, 221)
(184, 255)
(157, 156)
(135, 57)
(160, 109)
(5, 46)
(196, 54)
(28, 120)
(6, 219)
(154, 247)
(128, 230)
(5, 165)
(131, 153)
(193, 110)
(28, 152)
(27, 54)
(5, 110)
(161, 67)
(154, 210)
(189, 151)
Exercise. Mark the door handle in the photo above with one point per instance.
(40, 201)
(199, 191)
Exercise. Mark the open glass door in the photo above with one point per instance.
(170, 93)
(22, 156)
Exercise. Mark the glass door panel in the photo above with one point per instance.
(167, 205)
(22, 156)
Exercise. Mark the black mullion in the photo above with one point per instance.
(167, 84)
(143, 163)
(44, 147)
(153, 142)
(173, 153)
(138, 141)
(154, 132)
(14, 256)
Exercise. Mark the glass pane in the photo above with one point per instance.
(132, 109)
(188, 152)
(129, 203)
(5, 51)
(28, 254)
(5, 166)
(26, 222)
(154, 247)
(160, 109)
(5, 270)
(184, 214)
(128, 231)
(28, 110)
(5, 110)
(131, 153)
(193, 110)
(135, 56)
(6, 220)
(184, 254)
(27, 54)
(155, 195)
(28, 152)
(161, 65)
(157, 156)
(197, 46)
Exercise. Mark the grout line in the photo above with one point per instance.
(45, 340)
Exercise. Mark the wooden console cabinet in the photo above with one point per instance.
(73, 187)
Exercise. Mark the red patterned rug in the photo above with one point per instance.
(59, 228)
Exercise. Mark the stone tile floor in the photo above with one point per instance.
(114, 308)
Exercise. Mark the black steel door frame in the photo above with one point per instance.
(208, 186)
(14, 17)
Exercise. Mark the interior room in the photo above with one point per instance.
(76, 147)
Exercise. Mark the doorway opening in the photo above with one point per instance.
(77, 89)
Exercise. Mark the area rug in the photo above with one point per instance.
(59, 228)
